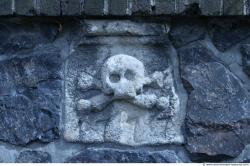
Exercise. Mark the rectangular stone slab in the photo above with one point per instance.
(6, 7)
(25, 7)
(71, 7)
(105, 96)
(49, 7)
(94, 7)
(118, 7)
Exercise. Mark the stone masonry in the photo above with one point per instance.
(163, 84)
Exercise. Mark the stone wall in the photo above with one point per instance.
(171, 89)
(124, 7)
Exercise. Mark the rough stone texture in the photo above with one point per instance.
(164, 7)
(227, 33)
(141, 7)
(128, 7)
(71, 7)
(186, 31)
(233, 7)
(66, 82)
(244, 157)
(118, 7)
(106, 155)
(31, 156)
(24, 7)
(218, 116)
(30, 88)
(211, 7)
(6, 7)
(49, 7)
(245, 50)
(94, 7)
(105, 101)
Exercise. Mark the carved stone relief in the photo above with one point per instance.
(122, 91)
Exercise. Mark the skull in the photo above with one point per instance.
(123, 76)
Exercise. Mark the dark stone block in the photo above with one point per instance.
(211, 7)
(186, 31)
(218, 117)
(50, 7)
(24, 7)
(245, 50)
(164, 7)
(30, 86)
(228, 32)
(187, 7)
(141, 7)
(6, 7)
(94, 7)
(30, 96)
(21, 36)
(71, 7)
(118, 7)
(31, 156)
(107, 155)
(233, 7)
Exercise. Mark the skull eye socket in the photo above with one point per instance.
(129, 75)
(114, 77)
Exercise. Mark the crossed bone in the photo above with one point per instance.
(101, 101)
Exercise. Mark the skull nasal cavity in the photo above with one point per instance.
(114, 77)
(129, 75)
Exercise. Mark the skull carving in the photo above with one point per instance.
(123, 76)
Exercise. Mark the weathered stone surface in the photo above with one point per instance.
(228, 32)
(30, 86)
(49, 7)
(123, 28)
(245, 50)
(71, 7)
(186, 31)
(118, 7)
(106, 155)
(94, 7)
(18, 36)
(218, 117)
(211, 7)
(233, 7)
(30, 97)
(187, 7)
(164, 7)
(141, 7)
(31, 156)
(6, 7)
(103, 106)
(25, 7)
(126, 7)
(244, 157)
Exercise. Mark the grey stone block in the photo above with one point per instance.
(164, 7)
(71, 7)
(181, 6)
(245, 50)
(218, 105)
(228, 32)
(94, 7)
(24, 7)
(118, 7)
(33, 74)
(141, 7)
(6, 7)
(31, 156)
(233, 7)
(211, 7)
(109, 155)
(50, 7)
